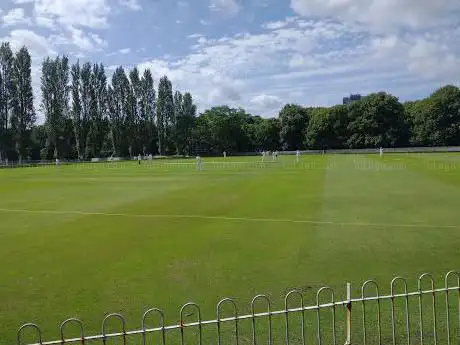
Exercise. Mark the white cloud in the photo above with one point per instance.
(383, 14)
(430, 60)
(223, 94)
(80, 39)
(264, 101)
(100, 42)
(220, 69)
(125, 51)
(45, 22)
(15, 17)
(193, 36)
(38, 45)
(275, 25)
(131, 4)
(84, 41)
(422, 55)
(279, 24)
(59, 39)
(316, 61)
(302, 61)
(229, 7)
(87, 13)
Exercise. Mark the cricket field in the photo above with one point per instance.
(85, 240)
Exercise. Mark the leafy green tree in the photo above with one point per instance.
(177, 123)
(293, 124)
(267, 135)
(148, 133)
(201, 136)
(436, 119)
(165, 115)
(76, 111)
(55, 100)
(85, 99)
(186, 122)
(327, 128)
(377, 120)
(129, 116)
(118, 109)
(136, 100)
(184, 114)
(23, 112)
(6, 90)
(38, 142)
(222, 129)
(319, 132)
(97, 110)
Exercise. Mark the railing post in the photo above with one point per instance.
(348, 341)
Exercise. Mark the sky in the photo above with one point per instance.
(255, 54)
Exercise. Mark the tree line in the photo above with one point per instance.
(87, 116)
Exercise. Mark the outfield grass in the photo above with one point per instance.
(123, 237)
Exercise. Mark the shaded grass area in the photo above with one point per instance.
(86, 265)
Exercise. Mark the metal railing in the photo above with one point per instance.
(404, 326)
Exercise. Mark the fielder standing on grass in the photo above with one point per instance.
(297, 155)
(139, 158)
(199, 163)
(381, 151)
(225, 154)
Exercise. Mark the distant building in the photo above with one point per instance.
(352, 98)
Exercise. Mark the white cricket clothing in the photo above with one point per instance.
(199, 163)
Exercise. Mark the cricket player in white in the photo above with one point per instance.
(381, 151)
(297, 154)
(263, 155)
(139, 158)
(199, 163)
(225, 154)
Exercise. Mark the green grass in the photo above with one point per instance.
(91, 258)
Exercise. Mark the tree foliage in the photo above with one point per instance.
(293, 123)
(22, 102)
(55, 101)
(6, 92)
(86, 116)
